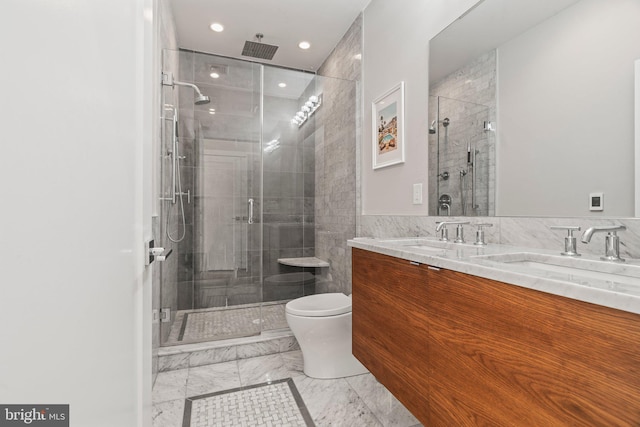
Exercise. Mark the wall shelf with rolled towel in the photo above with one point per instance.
(308, 262)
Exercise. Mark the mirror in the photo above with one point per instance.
(557, 80)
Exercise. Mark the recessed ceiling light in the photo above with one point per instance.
(214, 75)
(304, 45)
(217, 27)
(282, 84)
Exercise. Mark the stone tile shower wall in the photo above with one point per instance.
(335, 210)
(288, 191)
(468, 98)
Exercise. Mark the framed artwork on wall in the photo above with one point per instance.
(387, 112)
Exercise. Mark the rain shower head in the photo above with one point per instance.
(258, 49)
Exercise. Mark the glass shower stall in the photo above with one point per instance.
(238, 184)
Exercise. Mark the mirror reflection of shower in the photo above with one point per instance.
(460, 158)
(471, 158)
(444, 202)
(445, 123)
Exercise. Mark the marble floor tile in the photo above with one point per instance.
(168, 414)
(382, 403)
(358, 401)
(262, 369)
(212, 378)
(334, 403)
(170, 385)
(293, 362)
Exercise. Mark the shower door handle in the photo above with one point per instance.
(250, 220)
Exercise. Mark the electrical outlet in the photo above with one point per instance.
(417, 194)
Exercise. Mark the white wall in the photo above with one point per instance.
(637, 138)
(75, 298)
(552, 80)
(396, 48)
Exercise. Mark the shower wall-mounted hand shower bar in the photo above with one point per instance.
(471, 166)
(171, 152)
(176, 184)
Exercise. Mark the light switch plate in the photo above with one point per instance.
(417, 194)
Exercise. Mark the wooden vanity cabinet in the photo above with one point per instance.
(496, 354)
(390, 325)
(510, 356)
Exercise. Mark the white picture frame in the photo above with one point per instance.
(387, 116)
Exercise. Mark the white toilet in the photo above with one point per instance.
(322, 325)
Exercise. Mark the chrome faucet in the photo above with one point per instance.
(611, 242)
(480, 233)
(569, 240)
(444, 233)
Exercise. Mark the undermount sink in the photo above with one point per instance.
(576, 268)
(426, 244)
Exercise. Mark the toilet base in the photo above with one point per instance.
(325, 343)
(347, 367)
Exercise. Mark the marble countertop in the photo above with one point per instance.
(481, 261)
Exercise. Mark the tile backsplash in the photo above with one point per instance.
(531, 232)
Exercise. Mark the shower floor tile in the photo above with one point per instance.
(225, 323)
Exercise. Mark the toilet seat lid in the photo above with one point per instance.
(320, 305)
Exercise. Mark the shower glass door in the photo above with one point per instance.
(212, 281)
(248, 178)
